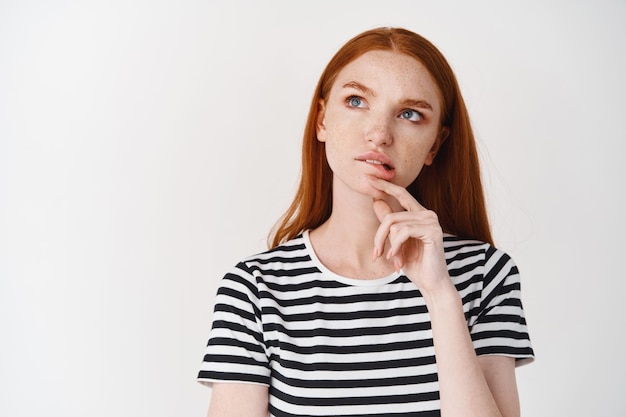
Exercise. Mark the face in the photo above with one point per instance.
(381, 119)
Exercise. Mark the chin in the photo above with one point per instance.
(376, 194)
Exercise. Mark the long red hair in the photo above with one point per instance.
(451, 186)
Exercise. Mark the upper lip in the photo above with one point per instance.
(376, 156)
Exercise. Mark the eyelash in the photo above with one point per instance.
(419, 115)
(350, 98)
(361, 100)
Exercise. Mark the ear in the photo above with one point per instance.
(320, 128)
(441, 138)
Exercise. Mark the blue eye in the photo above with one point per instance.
(355, 101)
(411, 115)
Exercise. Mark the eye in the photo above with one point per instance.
(411, 115)
(355, 101)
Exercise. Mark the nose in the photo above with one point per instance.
(379, 131)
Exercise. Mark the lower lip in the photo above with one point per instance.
(382, 173)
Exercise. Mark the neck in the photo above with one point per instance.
(345, 242)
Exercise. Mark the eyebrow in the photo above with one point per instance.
(359, 86)
(422, 104)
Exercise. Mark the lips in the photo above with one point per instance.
(376, 162)
(379, 161)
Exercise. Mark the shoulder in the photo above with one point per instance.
(247, 279)
(474, 258)
(290, 258)
(457, 248)
(290, 252)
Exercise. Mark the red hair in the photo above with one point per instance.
(450, 186)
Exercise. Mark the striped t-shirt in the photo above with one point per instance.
(327, 345)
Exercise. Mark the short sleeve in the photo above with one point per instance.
(500, 326)
(236, 351)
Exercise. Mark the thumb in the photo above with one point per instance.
(381, 208)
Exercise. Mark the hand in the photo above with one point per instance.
(415, 238)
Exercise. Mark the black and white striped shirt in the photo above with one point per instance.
(327, 345)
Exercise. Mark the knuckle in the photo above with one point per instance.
(433, 215)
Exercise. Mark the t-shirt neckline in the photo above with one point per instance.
(340, 278)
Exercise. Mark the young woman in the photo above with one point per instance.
(382, 293)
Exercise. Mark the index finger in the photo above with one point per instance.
(406, 200)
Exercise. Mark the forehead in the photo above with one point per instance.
(391, 73)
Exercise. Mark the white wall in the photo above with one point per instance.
(146, 146)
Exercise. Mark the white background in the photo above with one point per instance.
(147, 146)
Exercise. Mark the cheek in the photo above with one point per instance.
(337, 139)
(413, 157)
(416, 144)
(333, 150)
(415, 152)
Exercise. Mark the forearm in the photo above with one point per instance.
(463, 387)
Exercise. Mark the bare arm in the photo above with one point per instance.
(469, 386)
(499, 372)
(238, 400)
